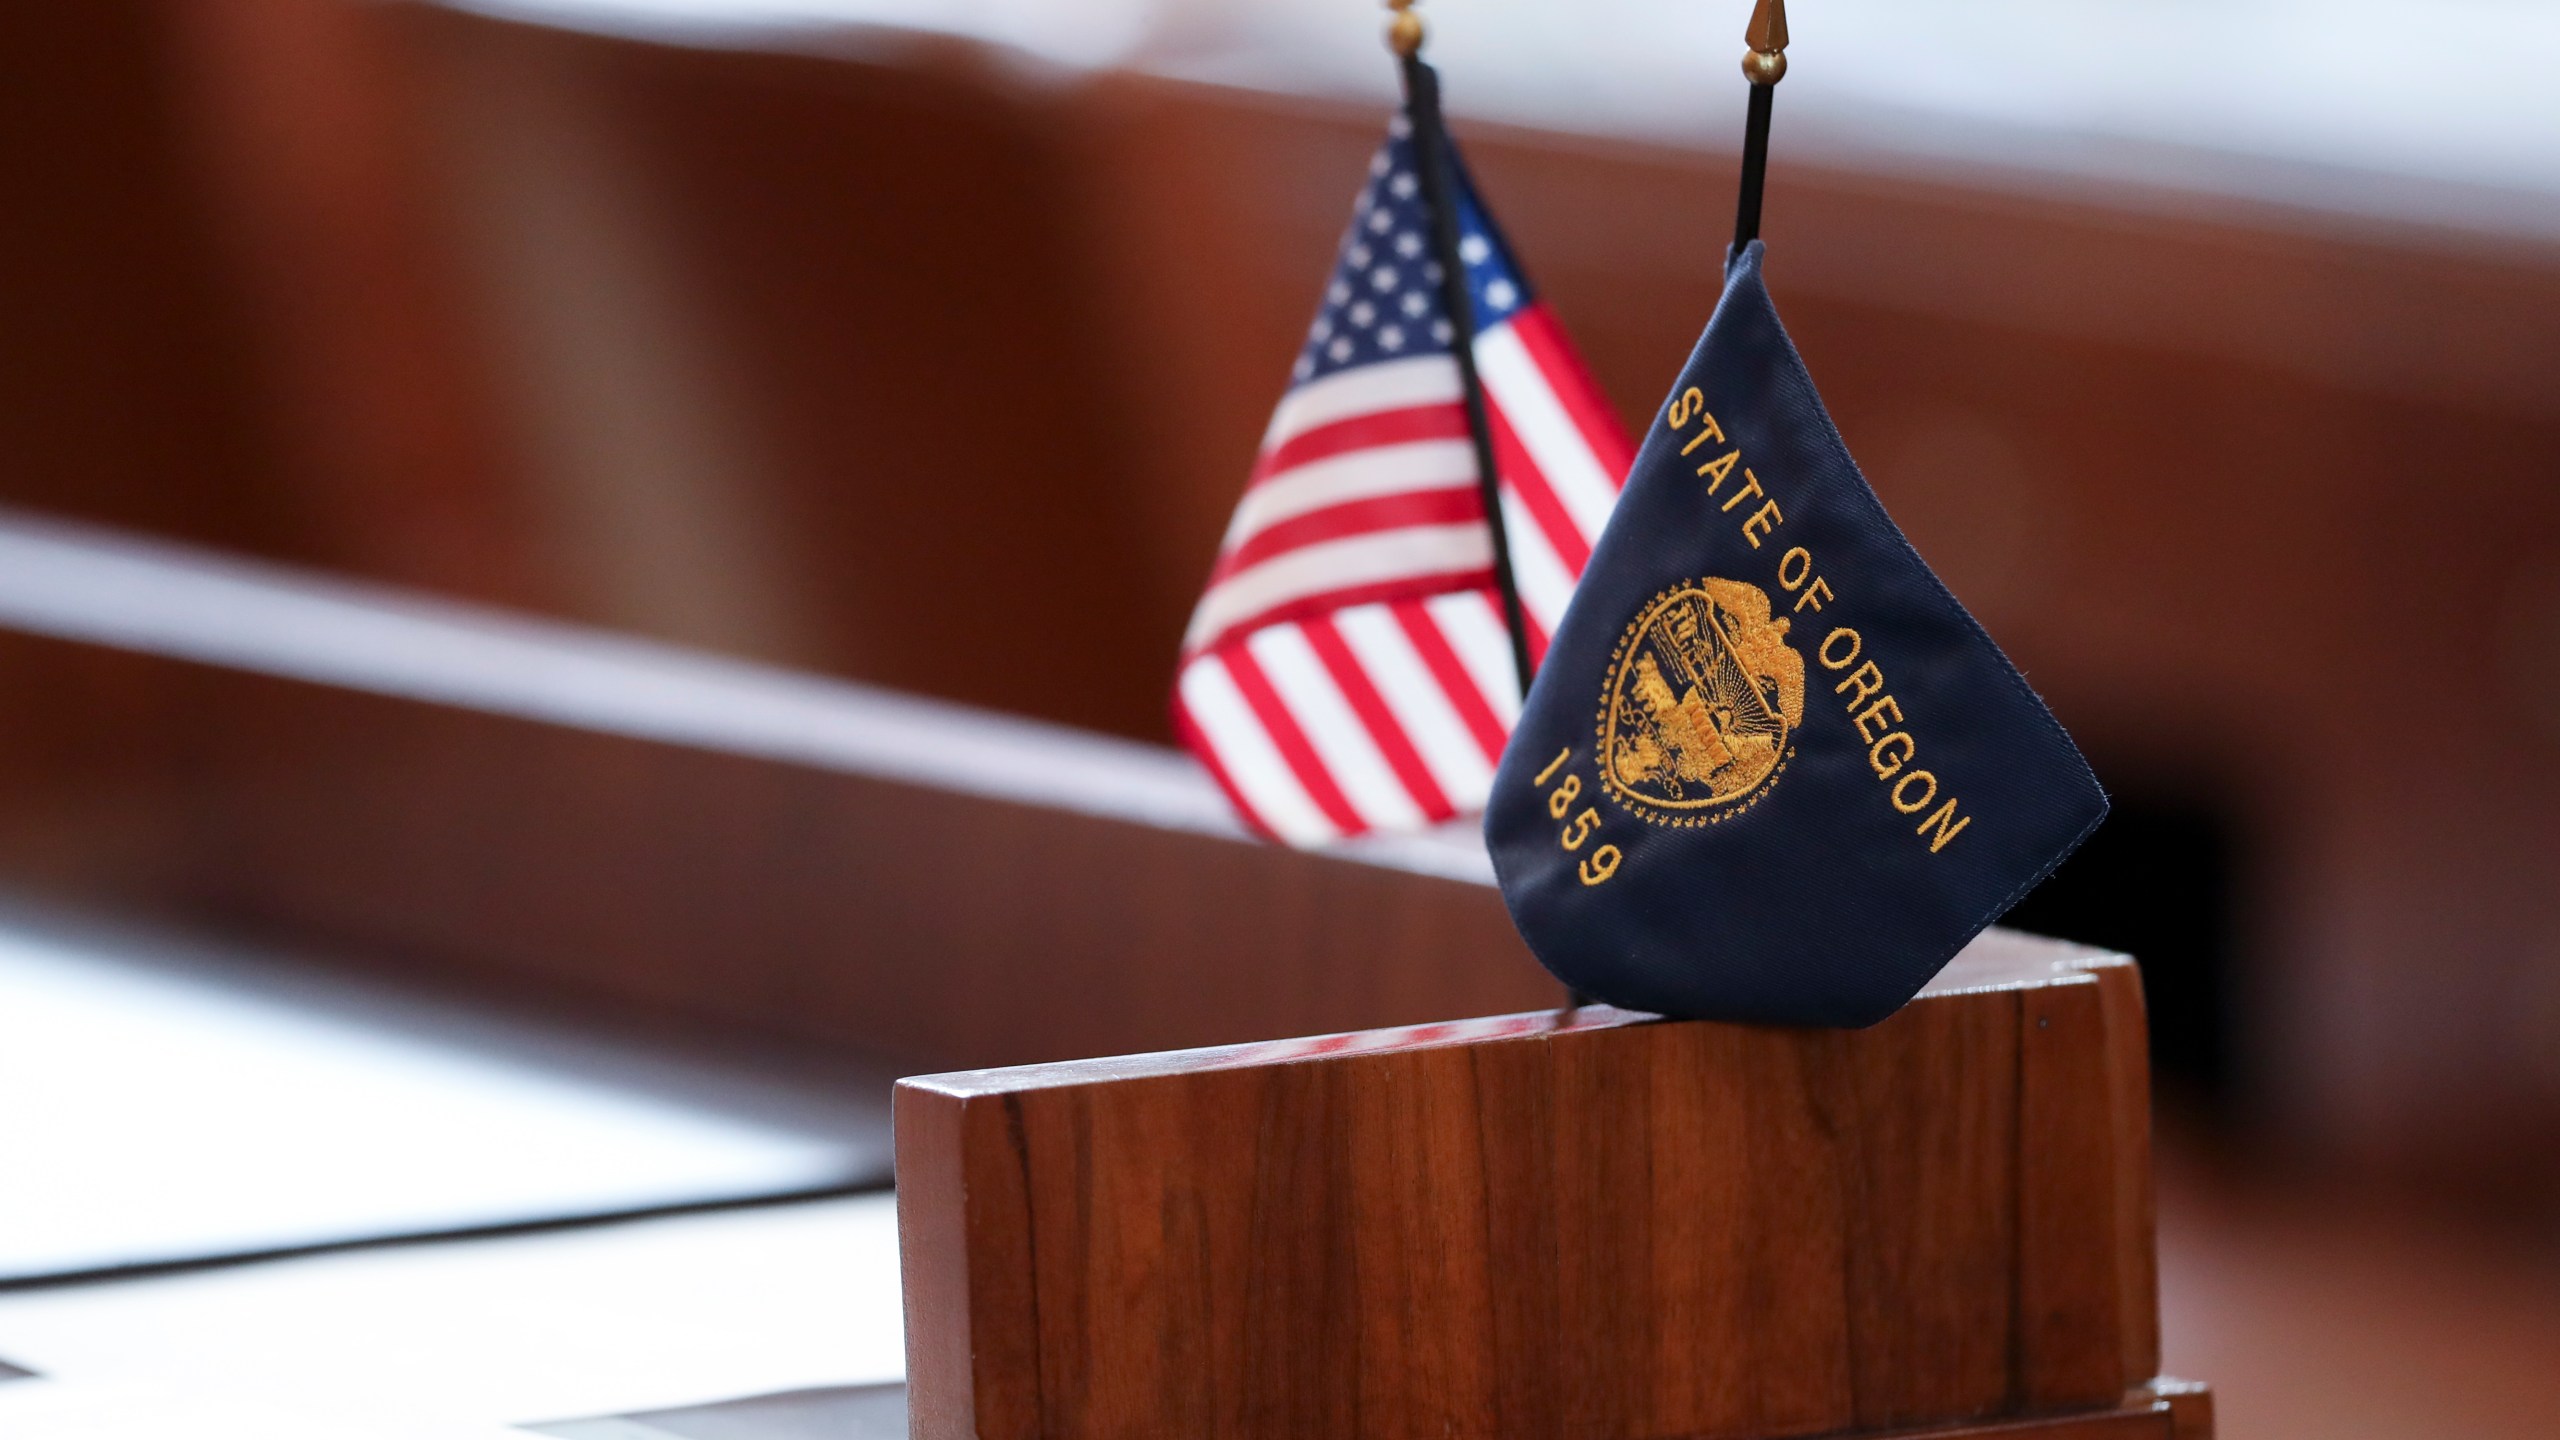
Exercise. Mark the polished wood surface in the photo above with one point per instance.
(1598, 1225)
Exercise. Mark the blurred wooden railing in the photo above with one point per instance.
(381, 778)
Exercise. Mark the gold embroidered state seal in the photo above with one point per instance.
(1703, 698)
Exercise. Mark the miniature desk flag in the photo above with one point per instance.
(1351, 666)
(1770, 769)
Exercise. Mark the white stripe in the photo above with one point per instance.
(1448, 748)
(1252, 762)
(1418, 465)
(1546, 586)
(1546, 430)
(1413, 552)
(1471, 621)
(1334, 729)
(1363, 390)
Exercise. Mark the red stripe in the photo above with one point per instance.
(1372, 709)
(1354, 517)
(1443, 421)
(1196, 740)
(1451, 672)
(1327, 601)
(1537, 496)
(1291, 741)
(1571, 381)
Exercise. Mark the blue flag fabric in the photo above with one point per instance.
(1770, 770)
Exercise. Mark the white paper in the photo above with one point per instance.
(153, 1110)
(458, 1340)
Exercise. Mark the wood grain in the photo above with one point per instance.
(1602, 1226)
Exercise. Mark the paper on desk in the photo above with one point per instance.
(454, 1340)
(157, 1105)
(46, 1411)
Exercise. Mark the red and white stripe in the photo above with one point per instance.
(1347, 669)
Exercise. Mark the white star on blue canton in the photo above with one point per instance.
(1383, 300)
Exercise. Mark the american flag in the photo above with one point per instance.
(1348, 668)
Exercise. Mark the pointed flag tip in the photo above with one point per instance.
(1768, 32)
(1766, 63)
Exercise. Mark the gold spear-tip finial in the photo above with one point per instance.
(1766, 64)
(1404, 32)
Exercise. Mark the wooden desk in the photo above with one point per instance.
(1601, 1225)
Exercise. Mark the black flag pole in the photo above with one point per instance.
(1765, 64)
(1433, 157)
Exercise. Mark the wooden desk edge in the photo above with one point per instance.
(2165, 1409)
(1998, 960)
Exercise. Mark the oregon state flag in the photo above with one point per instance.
(1770, 770)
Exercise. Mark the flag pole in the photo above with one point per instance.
(1432, 158)
(1765, 64)
(1432, 155)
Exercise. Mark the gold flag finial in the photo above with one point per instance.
(1404, 32)
(1766, 64)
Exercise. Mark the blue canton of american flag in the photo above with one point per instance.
(1347, 669)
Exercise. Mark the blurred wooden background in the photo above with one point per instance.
(921, 363)
(917, 364)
